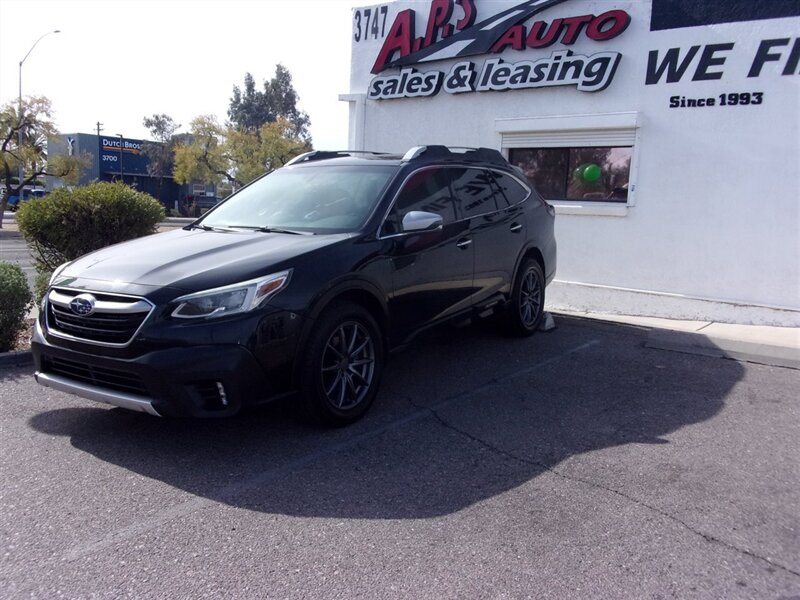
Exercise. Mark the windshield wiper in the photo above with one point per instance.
(205, 227)
(268, 229)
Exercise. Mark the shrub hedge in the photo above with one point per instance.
(67, 224)
(15, 301)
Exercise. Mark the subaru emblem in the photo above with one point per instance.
(82, 305)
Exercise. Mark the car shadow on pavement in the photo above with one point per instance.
(463, 416)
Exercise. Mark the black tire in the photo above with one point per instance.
(525, 311)
(341, 366)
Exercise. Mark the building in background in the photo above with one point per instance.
(665, 132)
(115, 158)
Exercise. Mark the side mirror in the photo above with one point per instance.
(417, 220)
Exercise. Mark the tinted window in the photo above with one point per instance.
(475, 192)
(513, 191)
(427, 190)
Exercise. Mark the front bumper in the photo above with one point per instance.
(198, 381)
(98, 394)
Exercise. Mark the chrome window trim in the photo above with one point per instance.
(524, 185)
(65, 336)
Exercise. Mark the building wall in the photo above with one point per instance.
(75, 144)
(711, 228)
(108, 163)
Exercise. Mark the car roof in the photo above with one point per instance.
(418, 155)
(349, 160)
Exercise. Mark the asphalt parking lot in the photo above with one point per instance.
(575, 464)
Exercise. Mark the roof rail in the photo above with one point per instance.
(459, 153)
(324, 154)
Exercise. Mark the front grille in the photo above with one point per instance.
(114, 321)
(113, 379)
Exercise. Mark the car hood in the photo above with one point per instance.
(194, 259)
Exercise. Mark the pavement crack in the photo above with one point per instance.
(229, 493)
(513, 457)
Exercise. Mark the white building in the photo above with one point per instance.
(665, 132)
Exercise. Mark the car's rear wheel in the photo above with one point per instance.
(341, 366)
(524, 313)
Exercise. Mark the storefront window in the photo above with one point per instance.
(595, 173)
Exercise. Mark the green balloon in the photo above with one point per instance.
(591, 173)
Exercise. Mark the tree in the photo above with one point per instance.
(35, 122)
(203, 155)
(251, 109)
(160, 155)
(216, 154)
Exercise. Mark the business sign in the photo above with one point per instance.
(516, 29)
(721, 60)
(122, 155)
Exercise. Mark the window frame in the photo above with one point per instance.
(568, 170)
(459, 215)
(579, 131)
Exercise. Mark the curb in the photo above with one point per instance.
(764, 345)
(16, 359)
(743, 350)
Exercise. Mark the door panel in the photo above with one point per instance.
(497, 229)
(432, 278)
(432, 272)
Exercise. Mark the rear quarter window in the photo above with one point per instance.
(513, 190)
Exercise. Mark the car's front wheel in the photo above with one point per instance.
(524, 313)
(341, 366)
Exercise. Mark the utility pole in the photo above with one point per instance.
(99, 128)
(121, 173)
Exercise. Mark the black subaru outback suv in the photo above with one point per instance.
(300, 283)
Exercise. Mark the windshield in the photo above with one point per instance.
(321, 199)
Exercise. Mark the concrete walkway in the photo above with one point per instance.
(775, 346)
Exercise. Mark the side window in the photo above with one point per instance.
(513, 191)
(475, 192)
(426, 190)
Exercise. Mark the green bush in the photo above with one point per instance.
(67, 224)
(40, 284)
(15, 301)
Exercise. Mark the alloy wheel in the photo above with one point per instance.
(348, 365)
(530, 301)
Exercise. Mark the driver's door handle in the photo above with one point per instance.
(515, 228)
(464, 243)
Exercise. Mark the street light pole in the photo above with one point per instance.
(21, 171)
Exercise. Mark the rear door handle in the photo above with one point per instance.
(464, 243)
(515, 228)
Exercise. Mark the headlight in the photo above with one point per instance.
(231, 299)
